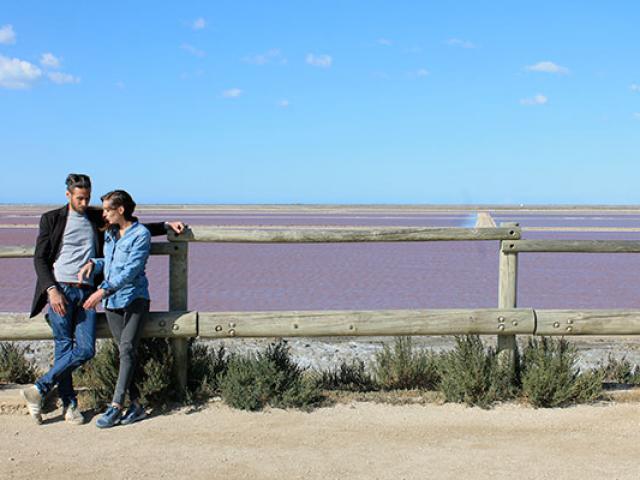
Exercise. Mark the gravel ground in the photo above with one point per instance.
(354, 441)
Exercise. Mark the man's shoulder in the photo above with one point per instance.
(54, 214)
(94, 214)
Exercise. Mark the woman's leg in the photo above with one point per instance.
(134, 316)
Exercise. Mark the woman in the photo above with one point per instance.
(125, 296)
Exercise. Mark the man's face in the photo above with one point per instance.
(79, 199)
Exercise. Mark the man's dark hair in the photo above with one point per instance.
(78, 180)
(120, 198)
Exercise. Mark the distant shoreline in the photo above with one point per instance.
(362, 208)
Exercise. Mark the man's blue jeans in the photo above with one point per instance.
(74, 335)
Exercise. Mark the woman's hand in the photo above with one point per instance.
(85, 272)
(93, 300)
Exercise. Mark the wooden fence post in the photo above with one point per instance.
(507, 291)
(178, 301)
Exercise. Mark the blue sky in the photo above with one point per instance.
(322, 102)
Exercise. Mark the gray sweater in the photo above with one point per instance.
(78, 246)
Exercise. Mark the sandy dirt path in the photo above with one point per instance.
(356, 441)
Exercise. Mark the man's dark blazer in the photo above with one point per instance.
(49, 243)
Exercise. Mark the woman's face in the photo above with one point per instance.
(113, 216)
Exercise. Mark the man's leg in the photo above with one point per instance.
(79, 323)
(62, 327)
(85, 339)
(65, 384)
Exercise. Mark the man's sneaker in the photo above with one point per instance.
(110, 418)
(72, 414)
(33, 397)
(134, 413)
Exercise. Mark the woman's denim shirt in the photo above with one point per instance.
(123, 266)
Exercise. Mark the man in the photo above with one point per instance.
(68, 238)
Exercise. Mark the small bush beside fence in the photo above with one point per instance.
(470, 373)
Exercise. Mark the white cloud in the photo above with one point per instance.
(232, 93)
(636, 115)
(456, 42)
(322, 61)
(547, 67)
(270, 56)
(199, 23)
(422, 72)
(196, 52)
(17, 74)
(120, 84)
(62, 78)
(385, 41)
(538, 99)
(49, 60)
(284, 103)
(7, 35)
(634, 87)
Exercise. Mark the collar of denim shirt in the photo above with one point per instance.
(112, 232)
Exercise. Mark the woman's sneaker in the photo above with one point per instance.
(134, 414)
(110, 418)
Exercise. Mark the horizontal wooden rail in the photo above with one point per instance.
(27, 251)
(18, 326)
(521, 321)
(572, 246)
(364, 323)
(341, 234)
(587, 322)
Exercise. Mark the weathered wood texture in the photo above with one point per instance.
(26, 251)
(341, 234)
(16, 251)
(364, 323)
(572, 246)
(507, 290)
(18, 326)
(588, 322)
(178, 300)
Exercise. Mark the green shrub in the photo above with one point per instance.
(476, 376)
(268, 378)
(153, 373)
(550, 377)
(620, 371)
(99, 375)
(14, 367)
(207, 366)
(401, 367)
(156, 379)
(351, 377)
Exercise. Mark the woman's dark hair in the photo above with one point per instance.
(120, 198)
(78, 180)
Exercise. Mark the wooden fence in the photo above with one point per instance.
(179, 324)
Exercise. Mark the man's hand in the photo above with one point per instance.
(177, 227)
(57, 301)
(95, 298)
(85, 272)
